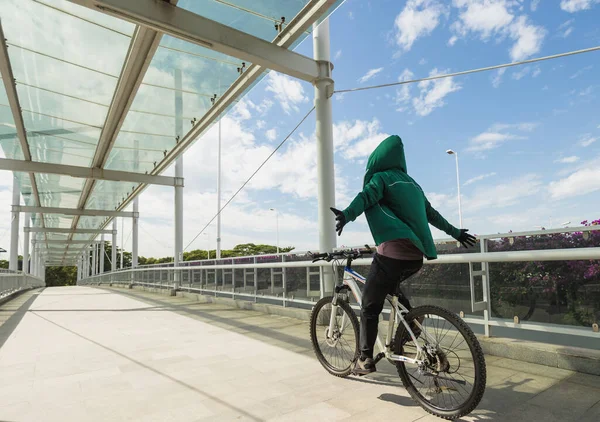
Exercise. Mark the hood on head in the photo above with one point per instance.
(388, 155)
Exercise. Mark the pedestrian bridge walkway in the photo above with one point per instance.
(87, 354)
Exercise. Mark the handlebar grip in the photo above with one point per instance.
(318, 256)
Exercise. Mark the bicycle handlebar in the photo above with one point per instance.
(348, 253)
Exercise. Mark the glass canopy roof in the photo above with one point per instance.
(67, 61)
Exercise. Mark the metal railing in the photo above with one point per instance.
(14, 281)
(459, 281)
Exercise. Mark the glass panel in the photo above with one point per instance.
(57, 236)
(59, 191)
(9, 142)
(559, 292)
(257, 18)
(25, 187)
(108, 195)
(58, 221)
(125, 156)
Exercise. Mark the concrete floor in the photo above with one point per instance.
(85, 354)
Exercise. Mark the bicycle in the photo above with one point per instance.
(424, 356)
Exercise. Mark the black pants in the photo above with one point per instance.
(384, 278)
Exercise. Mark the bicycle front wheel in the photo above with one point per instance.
(451, 381)
(337, 351)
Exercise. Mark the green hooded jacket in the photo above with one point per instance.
(394, 204)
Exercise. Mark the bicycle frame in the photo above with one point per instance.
(397, 312)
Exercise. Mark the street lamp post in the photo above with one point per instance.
(277, 225)
(450, 152)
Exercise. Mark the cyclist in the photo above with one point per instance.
(398, 214)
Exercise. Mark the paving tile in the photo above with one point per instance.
(174, 359)
(567, 399)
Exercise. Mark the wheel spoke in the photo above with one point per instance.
(446, 346)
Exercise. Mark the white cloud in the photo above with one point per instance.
(260, 124)
(504, 194)
(487, 18)
(497, 80)
(337, 55)
(422, 61)
(587, 140)
(452, 40)
(521, 73)
(287, 91)
(439, 200)
(524, 127)
(566, 28)
(528, 39)
(573, 6)
(403, 92)
(490, 140)
(497, 134)
(536, 72)
(479, 178)
(432, 93)
(568, 160)
(580, 72)
(371, 73)
(534, 5)
(357, 139)
(271, 134)
(482, 16)
(581, 182)
(417, 19)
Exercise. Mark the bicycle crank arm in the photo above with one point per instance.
(427, 374)
(380, 356)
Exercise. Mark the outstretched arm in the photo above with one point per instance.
(439, 222)
(371, 194)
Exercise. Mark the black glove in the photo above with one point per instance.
(466, 238)
(341, 220)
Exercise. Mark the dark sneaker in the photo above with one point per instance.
(364, 367)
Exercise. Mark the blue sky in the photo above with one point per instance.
(525, 136)
(528, 138)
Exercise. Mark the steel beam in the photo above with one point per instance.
(142, 48)
(292, 31)
(87, 172)
(67, 242)
(68, 231)
(188, 26)
(74, 211)
(13, 101)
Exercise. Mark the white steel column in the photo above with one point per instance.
(13, 263)
(136, 208)
(102, 255)
(219, 194)
(122, 242)
(87, 262)
(33, 256)
(94, 255)
(178, 253)
(113, 254)
(26, 244)
(324, 132)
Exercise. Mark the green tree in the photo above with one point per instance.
(61, 276)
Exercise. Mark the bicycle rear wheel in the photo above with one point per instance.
(336, 352)
(452, 381)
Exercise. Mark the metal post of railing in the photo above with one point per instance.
(485, 267)
(255, 282)
(283, 280)
(232, 281)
